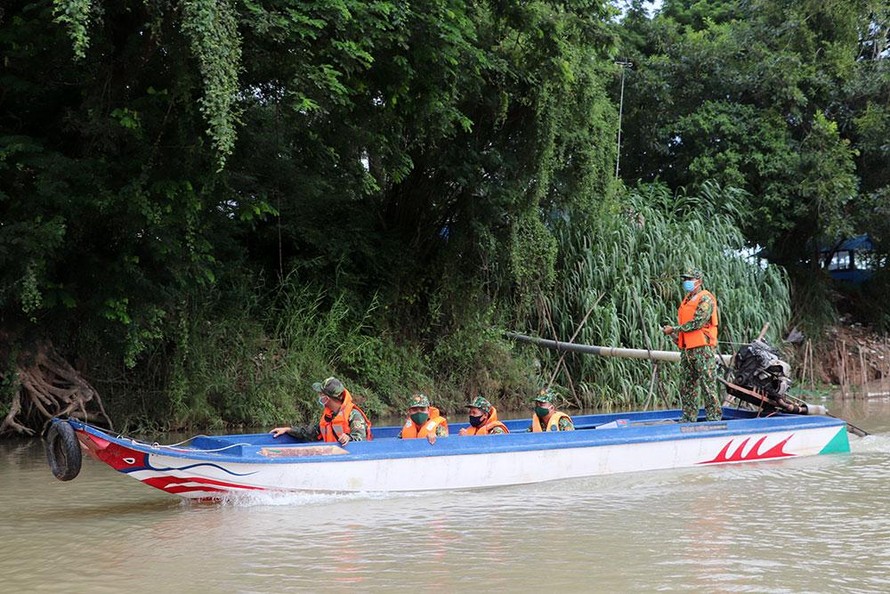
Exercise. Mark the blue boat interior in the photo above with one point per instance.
(516, 426)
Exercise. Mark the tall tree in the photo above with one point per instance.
(152, 152)
(753, 94)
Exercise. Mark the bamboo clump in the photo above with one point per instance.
(624, 270)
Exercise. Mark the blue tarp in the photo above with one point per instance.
(846, 266)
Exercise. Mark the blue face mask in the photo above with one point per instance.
(688, 285)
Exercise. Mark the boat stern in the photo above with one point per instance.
(839, 444)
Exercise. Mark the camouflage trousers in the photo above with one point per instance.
(699, 384)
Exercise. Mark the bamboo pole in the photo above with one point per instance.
(562, 357)
(863, 374)
(651, 394)
(806, 354)
(763, 331)
(843, 362)
(887, 371)
(812, 365)
(621, 353)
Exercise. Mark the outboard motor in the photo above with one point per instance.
(765, 380)
(758, 367)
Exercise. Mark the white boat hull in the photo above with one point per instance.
(390, 465)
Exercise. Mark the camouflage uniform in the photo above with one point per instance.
(485, 406)
(421, 401)
(305, 432)
(331, 388)
(699, 369)
(357, 429)
(564, 424)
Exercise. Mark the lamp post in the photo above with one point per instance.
(623, 65)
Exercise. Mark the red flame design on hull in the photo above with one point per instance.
(179, 485)
(777, 451)
(122, 459)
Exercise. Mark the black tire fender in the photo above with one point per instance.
(63, 451)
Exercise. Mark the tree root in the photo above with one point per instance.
(49, 387)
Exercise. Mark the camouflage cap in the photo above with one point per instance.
(545, 395)
(418, 400)
(480, 403)
(692, 273)
(331, 387)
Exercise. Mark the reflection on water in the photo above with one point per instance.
(810, 525)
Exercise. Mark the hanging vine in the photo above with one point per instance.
(75, 15)
(212, 28)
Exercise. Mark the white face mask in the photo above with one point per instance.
(688, 285)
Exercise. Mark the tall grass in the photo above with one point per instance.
(251, 361)
(624, 271)
(244, 357)
(262, 371)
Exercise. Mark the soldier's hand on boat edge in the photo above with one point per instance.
(278, 431)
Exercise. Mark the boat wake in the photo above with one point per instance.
(286, 498)
(874, 443)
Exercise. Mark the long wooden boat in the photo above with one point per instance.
(229, 465)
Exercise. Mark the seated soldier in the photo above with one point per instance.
(423, 420)
(341, 420)
(483, 419)
(546, 417)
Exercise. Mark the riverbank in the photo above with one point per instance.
(851, 360)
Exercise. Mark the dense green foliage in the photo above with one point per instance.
(789, 101)
(163, 161)
(207, 205)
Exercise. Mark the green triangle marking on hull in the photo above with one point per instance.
(839, 443)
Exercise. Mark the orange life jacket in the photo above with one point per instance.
(488, 426)
(410, 430)
(552, 424)
(331, 425)
(707, 335)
